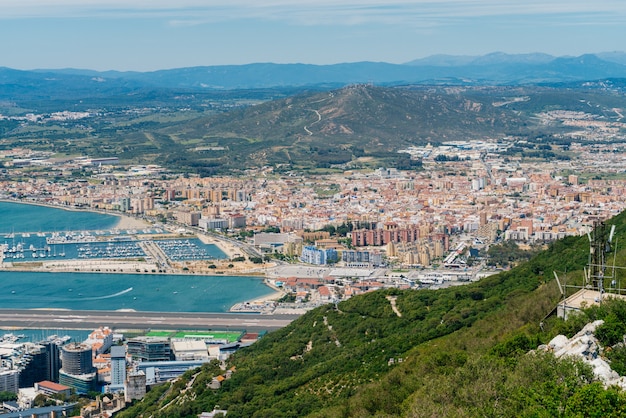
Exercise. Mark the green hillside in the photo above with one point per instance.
(454, 352)
(329, 128)
(365, 126)
(354, 127)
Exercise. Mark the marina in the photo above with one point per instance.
(92, 265)
(59, 336)
(109, 244)
(110, 250)
(188, 249)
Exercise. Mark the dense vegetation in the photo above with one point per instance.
(507, 254)
(454, 352)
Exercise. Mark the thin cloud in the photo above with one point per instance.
(311, 12)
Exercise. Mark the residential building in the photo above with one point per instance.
(149, 349)
(135, 386)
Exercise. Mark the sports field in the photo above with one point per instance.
(230, 336)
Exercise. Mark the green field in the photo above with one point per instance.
(230, 336)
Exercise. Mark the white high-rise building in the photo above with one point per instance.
(9, 380)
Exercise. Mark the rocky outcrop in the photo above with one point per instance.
(584, 345)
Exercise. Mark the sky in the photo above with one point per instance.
(147, 35)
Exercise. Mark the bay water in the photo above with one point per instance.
(106, 291)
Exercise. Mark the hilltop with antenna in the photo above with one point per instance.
(595, 275)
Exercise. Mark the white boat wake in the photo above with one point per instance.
(109, 296)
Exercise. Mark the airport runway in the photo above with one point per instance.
(60, 319)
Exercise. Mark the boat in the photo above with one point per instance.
(9, 338)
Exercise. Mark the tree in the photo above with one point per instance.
(594, 401)
(8, 396)
(42, 400)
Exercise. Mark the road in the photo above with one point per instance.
(60, 319)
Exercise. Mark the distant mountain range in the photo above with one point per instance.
(495, 68)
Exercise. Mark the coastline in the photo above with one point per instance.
(264, 305)
(225, 267)
(129, 222)
(226, 247)
(270, 297)
(124, 222)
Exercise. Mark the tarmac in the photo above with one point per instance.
(68, 319)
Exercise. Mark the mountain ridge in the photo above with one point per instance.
(494, 68)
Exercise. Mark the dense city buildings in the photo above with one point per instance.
(82, 369)
(467, 190)
(446, 197)
(465, 196)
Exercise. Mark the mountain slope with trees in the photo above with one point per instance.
(340, 126)
(365, 126)
(454, 352)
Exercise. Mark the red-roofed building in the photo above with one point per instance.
(324, 293)
(50, 388)
(369, 285)
(250, 337)
(295, 284)
(101, 340)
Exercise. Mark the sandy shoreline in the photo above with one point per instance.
(128, 222)
(274, 296)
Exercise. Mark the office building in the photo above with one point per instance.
(77, 369)
(118, 367)
(149, 349)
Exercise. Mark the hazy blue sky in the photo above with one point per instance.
(158, 34)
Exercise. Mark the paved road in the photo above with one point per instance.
(59, 319)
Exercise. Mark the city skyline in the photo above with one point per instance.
(143, 35)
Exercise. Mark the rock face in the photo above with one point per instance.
(585, 346)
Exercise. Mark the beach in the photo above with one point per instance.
(129, 222)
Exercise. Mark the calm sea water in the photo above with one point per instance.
(141, 292)
(17, 217)
(102, 291)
